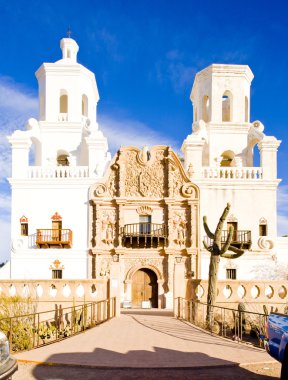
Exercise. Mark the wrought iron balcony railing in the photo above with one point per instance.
(138, 235)
(241, 239)
(54, 238)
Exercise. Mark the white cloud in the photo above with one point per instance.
(181, 76)
(127, 132)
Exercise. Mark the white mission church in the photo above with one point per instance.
(75, 210)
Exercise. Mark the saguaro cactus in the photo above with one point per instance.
(218, 250)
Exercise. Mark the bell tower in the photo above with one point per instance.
(67, 132)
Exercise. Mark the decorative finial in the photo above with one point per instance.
(69, 32)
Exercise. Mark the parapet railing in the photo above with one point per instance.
(58, 172)
(238, 173)
(237, 324)
(34, 330)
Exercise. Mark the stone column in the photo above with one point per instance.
(20, 154)
(268, 156)
(97, 148)
(161, 297)
(193, 150)
(114, 285)
(179, 283)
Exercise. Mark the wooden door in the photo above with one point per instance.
(56, 230)
(144, 288)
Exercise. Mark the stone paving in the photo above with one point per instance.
(146, 339)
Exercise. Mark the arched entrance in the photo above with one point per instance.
(144, 287)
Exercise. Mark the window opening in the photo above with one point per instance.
(226, 107)
(231, 274)
(63, 104)
(62, 160)
(145, 224)
(246, 109)
(24, 229)
(227, 159)
(205, 108)
(56, 273)
(24, 226)
(84, 105)
(262, 229)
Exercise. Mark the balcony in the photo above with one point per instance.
(233, 173)
(54, 238)
(144, 235)
(241, 239)
(63, 172)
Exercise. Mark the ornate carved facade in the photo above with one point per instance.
(145, 213)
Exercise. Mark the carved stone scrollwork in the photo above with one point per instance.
(265, 243)
(144, 210)
(187, 191)
(100, 190)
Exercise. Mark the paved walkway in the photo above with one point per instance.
(146, 339)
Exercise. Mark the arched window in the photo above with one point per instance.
(205, 108)
(246, 110)
(263, 230)
(227, 158)
(24, 226)
(68, 53)
(62, 160)
(227, 106)
(84, 105)
(64, 103)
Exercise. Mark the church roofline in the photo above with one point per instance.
(218, 69)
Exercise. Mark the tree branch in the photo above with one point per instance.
(206, 228)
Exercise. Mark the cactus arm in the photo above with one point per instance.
(228, 241)
(206, 228)
(238, 252)
(206, 246)
(221, 222)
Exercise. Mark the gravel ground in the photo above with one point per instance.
(29, 371)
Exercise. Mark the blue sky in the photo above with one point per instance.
(145, 56)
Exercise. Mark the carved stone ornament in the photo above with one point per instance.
(100, 190)
(144, 210)
(17, 244)
(232, 218)
(108, 227)
(56, 265)
(23, 219)
(262, 221)
(179, 224)
(56, 217)
(154, 173)
(265, 243)
(188, 191)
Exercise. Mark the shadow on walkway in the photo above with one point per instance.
(182, 330)
(219, 369)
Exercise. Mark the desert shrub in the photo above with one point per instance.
(15, 323)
